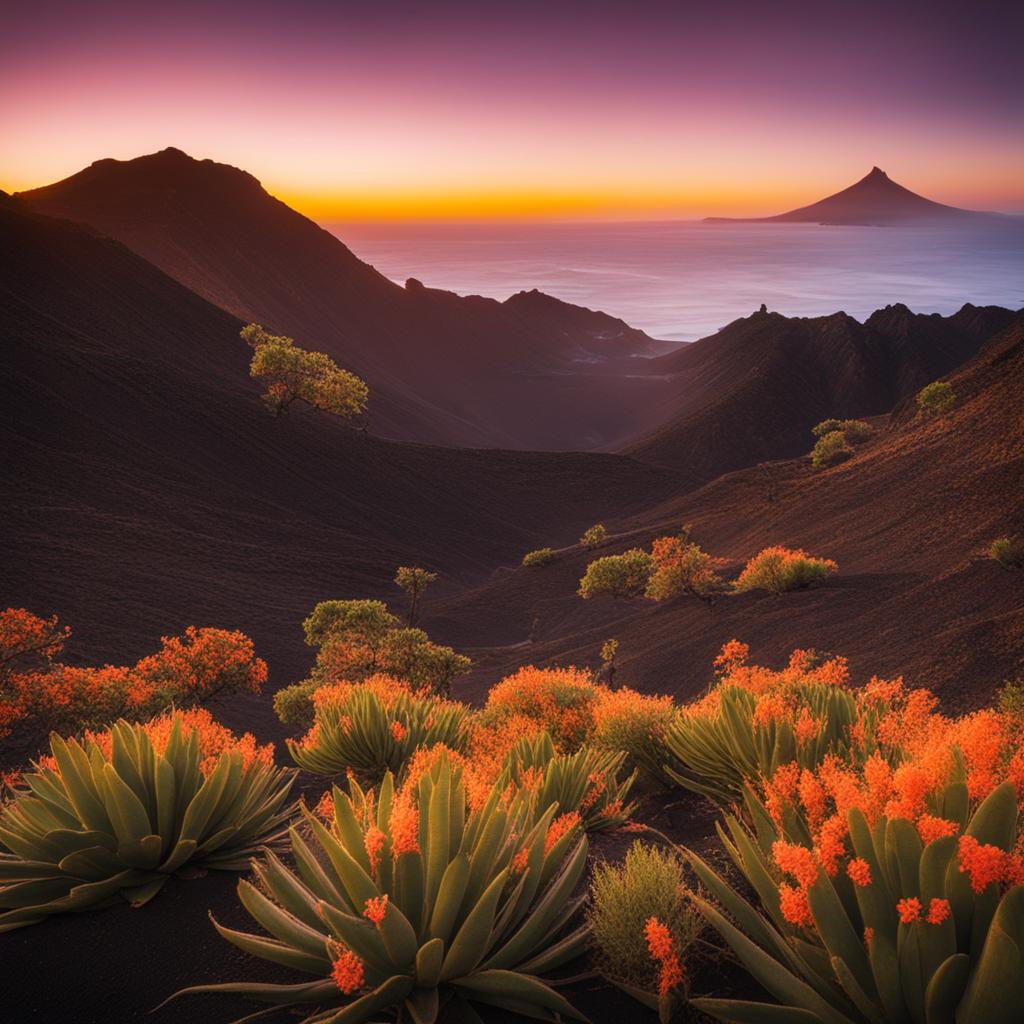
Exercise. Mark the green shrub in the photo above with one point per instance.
(637, 724)
(414, 581)
(1008, 552)
(411, 904)
(1011, 699)
(855, 431)
(293, 704)
(115, 815)
(624, 897)
(780, 569)
(936, 398)
(375, 727)
(830, 450)
(542, 556)
(594, 537)
(622, 575)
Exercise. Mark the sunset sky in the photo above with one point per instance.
(563, 109)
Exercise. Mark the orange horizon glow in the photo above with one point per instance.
(568, 111)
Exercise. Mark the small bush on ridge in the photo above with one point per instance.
(936, 398)
(779, 569)
(622, 575)
(542, 556)
(681, 567)
(830, 450)
(594, 537)
(855, 431)
(1008, 552)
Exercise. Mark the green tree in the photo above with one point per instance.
(293, 374)
(936, 398)
(414, 581)
(618, 575)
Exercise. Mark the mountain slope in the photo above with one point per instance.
(909, 519)
(147, 488)
(525, 373)
(875, 199)
(754, 390)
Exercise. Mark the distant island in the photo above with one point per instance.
(874, 200)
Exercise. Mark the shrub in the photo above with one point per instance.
(414, 581)
(830, 450)
(560, 701)
(360, 638)
(1010, 699)
(293, 374)
(374, 727)
(293, 704)
(780, 569)
(1008, 552)
(542, 556)
(901, 902)
(407, 902)
(39, 694)
(586, 782)
(594, 537)
(936, 398)
(636, 724)
(681, 567)
(755, 719)
(649, 883)
(855, 431)
(622, 575)
(116, 814)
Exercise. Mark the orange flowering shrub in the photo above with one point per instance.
(39, 694)
(681, 567)
(635, 723)
(560, 700)
(779, 569)
(376, 726)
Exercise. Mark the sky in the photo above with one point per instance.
(526, 109)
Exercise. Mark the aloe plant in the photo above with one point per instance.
(716, 755)
(914, 941)
(368, 735)
(587, 781)
(92, 826)
(403, 900)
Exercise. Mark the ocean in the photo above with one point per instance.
(683, 280)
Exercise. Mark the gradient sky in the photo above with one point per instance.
(567, 109)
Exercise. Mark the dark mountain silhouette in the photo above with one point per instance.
(530, 372)
(875, 199)
(753, 391)
(147, 488)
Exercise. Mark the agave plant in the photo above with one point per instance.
(402, 901)
(115, 815)
(917, 931)
(369, 735)
(586, 782)
(716, 754)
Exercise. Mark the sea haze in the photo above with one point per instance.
(683, 280)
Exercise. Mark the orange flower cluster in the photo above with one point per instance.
(214, 739)
(859, 871)
(376, 908)
(349, 971)
(561, 825)
(911, 911)
(985, 864)
(41, 694)
(662, 948)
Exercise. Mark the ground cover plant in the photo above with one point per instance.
(114, 815)
(779, 569)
